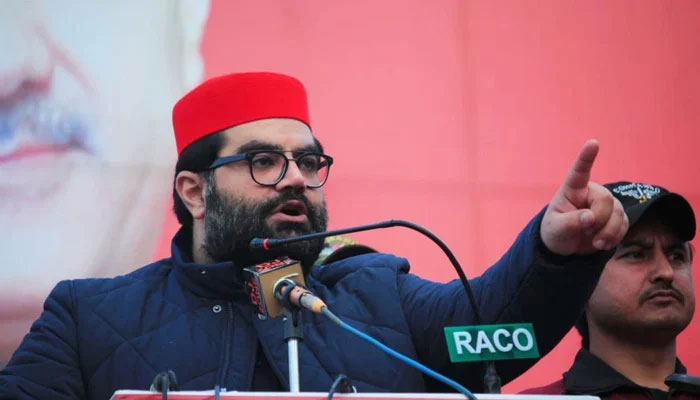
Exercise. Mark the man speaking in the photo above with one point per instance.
(249, 166)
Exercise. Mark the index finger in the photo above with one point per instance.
(580, 173)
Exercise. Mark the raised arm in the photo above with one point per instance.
(544, 278)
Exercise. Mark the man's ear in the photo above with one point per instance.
(190, 188)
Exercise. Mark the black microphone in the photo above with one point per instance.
(258, 244)
(164, 382)
(683, 383)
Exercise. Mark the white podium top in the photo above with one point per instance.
(209, 395)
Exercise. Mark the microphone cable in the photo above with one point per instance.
(298, 297)
(397, 355)
(268, 244)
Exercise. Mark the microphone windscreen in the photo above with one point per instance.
(257, 244)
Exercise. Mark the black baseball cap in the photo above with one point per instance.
(638, 198)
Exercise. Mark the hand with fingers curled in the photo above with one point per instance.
(583, 217)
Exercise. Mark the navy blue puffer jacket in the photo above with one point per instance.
(99, 335)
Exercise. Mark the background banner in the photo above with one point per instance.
(461, 116)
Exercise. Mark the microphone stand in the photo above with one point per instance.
(293, 330)
(293, 334)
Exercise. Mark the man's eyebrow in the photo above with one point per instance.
(306, 149)
(258, 145)
(678, 246)
(645, 244)
(261, 145)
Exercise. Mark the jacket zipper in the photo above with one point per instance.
(228, 333)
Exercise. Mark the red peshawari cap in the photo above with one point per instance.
(234, 99)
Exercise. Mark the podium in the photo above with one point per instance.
(209, 395)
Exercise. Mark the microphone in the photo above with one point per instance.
(683, 383)
(291, 293)
(164, 382)
(258, 244)
(278, 284)
(262, 280)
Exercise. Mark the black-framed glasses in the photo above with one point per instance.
(268, 167)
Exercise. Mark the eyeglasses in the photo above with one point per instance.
(268, 167)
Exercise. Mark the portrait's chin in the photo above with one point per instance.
(71, 215)
(39, 176)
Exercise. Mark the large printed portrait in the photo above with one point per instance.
(86, 148)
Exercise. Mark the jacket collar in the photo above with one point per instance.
(220, 281)
(591, 375)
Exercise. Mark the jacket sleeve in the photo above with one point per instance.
(45, 366)
(528, 284)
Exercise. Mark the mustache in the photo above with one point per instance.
(267, 207)
(667, 287)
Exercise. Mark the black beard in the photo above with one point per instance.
(230, 224)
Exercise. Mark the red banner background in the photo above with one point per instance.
(463, 116)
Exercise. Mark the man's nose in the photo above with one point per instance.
(292, 177)
(663, 270)
(26, 60)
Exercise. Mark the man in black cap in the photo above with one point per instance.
(643, 300)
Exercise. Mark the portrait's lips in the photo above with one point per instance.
(41, 144)
(293, 211)
(47, 120)
(47, 112)
(33, 127)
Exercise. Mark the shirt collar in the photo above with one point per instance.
(591, 375)
(222, 280)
